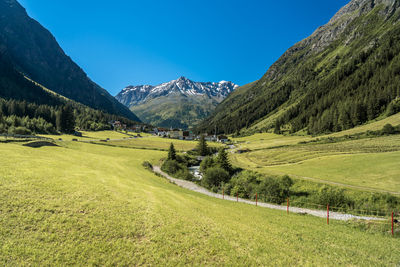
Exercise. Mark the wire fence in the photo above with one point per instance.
(387, 217)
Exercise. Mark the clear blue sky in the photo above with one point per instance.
(123, 42)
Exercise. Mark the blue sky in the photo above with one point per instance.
(123, 42)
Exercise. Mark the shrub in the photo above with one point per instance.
(388, 129)
(274, 190)
(333, 196)
(247, 183)
(171, 166)
(214, 176)
(207, 162)
(147, 165)
(184, 174)
(176, 169)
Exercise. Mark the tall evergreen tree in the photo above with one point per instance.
(202, 147)
(223, 161)
(172, 152)
(66, 120)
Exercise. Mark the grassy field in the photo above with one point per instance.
(85, 204)
(154, 142)
(369, 163)
(119, 139)
(268, 140)
(90, 136)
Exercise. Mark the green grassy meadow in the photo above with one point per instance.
(86, 135)
(370, 163)
(154, 142)
(86, 204)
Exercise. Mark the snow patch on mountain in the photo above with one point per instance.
(136, 95)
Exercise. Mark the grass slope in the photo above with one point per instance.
(370, 162)
(84, 204)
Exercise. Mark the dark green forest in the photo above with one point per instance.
(21, 117)
(351, 81)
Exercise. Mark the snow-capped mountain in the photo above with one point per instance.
(136, 95)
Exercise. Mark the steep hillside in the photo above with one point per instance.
(180, 103)
(28, 107)
(346, 73)
(33, 51)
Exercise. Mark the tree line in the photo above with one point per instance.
(21, 117)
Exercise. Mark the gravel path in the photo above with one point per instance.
(318, 213)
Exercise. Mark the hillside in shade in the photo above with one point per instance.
(33, 51)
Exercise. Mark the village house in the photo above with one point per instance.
(163, 132)
(180, 134)
(222, 138)
(116, 124)
(134, 129)
(210, 138)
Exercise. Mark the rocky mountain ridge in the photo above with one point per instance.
(135, 95)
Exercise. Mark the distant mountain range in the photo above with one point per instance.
(345, 74)
(29, 50)
(180, 103)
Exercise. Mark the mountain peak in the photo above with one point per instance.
(134, 95)
(182, 78)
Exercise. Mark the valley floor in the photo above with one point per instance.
(89, 204)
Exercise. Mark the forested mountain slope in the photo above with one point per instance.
(27, 107)
(33, 51)
(346, 73)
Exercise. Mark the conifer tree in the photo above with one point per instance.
(66, 119)
(202, 147)
(223, 161)
(172, 152)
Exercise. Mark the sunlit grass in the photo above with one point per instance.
(85, 204)
(367, 162)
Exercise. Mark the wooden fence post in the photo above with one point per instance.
(392, 223)
(256, 198)
(287, 209)
(327, 214)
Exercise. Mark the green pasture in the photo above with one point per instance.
(158, 143)
(153, 142)
(86, 135)
(369, 163)
(86, 204)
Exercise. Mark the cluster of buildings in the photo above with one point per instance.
(117, 125)
(174, 133)
(187, 135)
(167, 133)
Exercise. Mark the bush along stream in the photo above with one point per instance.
(218, 175)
